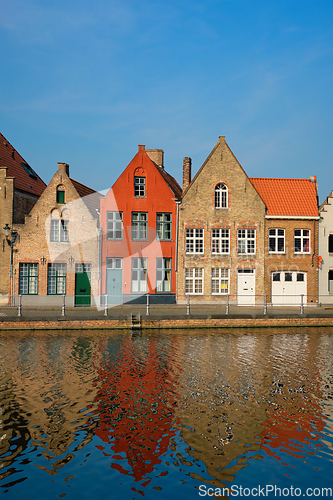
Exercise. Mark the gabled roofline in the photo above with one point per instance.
(326, 202)
(221, 138)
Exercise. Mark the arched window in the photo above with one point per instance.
(221, 196)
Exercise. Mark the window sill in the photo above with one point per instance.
(277, 253)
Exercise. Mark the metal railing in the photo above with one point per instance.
(82, 306)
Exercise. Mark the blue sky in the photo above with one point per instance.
(85, 83)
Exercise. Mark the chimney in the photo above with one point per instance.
(187, 162)
(63, 168)
(141, 147)
(313, 178)
(157, 156)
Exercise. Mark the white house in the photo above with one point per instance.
(326, 251)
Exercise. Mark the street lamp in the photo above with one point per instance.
(11, 243)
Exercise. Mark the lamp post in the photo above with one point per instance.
(11, 243)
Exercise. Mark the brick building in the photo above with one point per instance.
(291, 239)
(58, 251)
(246, 237)
(221, 231)
(326, 251)
(138, 219)
(20, 188)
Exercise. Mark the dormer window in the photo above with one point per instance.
(139, 187)
(60, 195)
(221, 196)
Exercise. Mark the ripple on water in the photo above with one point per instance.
(95, 411)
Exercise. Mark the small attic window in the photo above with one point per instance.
(60, 195)
(29, 170)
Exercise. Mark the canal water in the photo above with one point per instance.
(166, 415)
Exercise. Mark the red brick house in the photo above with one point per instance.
(20, 188)
(139, 223)
(58, 250)
(291, 239)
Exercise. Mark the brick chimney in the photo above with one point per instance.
(187, 163)
(63, 168)
(157, 156)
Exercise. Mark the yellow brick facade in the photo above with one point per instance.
(245, 210)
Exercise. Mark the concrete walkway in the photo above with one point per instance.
(161, 312)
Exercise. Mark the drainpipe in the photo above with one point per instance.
(100, 232)
(176, 256)
(177, 224)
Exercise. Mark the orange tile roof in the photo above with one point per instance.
(25, 178)
(287, 196)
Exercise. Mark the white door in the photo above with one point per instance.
(245, 287)
(287, 288)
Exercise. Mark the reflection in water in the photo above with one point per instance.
(163, 412)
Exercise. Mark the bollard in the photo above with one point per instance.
(302, 304)
(106, 305)
(265, 304)
(19, 311)
(227, 305)
(63, 309)
(188, 305)
(148, 306)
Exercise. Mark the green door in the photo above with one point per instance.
(82, 285)
(114, 279)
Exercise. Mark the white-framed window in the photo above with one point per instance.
(330, 243)
(220, 240)
(139, 187)
(164, 226)
(114, 226)
(56, 279)
(246, 241)
(59, 230)
(163, 275)
(221, 196)
(194, 240)
(139, 225)
(330, 281)
(220, 281)
(276, 240)
(82, 268)
(139, 275)
(194, 280)
(302, 241)
(114, 263)
(28, 279)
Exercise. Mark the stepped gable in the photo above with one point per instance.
(25, 178)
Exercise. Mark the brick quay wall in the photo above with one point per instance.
(170, 324)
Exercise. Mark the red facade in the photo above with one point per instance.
(138, 219)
